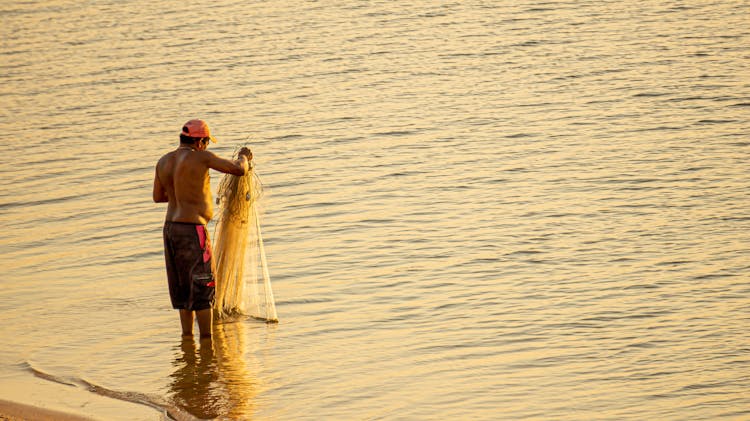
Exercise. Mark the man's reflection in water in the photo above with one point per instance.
(211, 379)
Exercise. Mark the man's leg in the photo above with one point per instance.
(186, 319)
(205, 319)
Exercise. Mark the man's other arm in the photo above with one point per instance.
(160, 195)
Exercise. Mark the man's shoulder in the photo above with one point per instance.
(207, 153)
(199, 159)
(205, 157)
(164, 158)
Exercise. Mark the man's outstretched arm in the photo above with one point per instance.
(239, 166)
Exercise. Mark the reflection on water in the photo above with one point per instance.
(211, 379)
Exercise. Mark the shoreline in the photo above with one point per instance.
(14, 411)
(28, 397)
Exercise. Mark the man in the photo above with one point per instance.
(182, 181)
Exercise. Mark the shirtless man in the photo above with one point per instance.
(182, 181)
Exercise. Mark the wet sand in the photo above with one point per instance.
(26, 397)
(13, 411)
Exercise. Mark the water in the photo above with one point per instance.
(478, 210)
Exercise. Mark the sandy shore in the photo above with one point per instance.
(26, 397)
(13, 411)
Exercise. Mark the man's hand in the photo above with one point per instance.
(247, 153)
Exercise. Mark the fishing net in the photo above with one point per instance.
(243, 285)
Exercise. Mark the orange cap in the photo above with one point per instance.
(197, 128)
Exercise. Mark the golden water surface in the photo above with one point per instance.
(474, 210)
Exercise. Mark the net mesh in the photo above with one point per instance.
(243, 284)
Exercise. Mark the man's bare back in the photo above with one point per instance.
(183, 181)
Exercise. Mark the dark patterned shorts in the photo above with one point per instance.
(187, 250)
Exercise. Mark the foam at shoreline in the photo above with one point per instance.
(28, 397)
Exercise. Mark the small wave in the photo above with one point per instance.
(642, 286)
(48, 377)
(168, 411)
(395, 133)
(40, 202)
(649, 94)
(520, 135)
(304, 301)
(710, 121)
(530, 43)
(287, 137)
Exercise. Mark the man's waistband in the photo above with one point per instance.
(184, 223)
